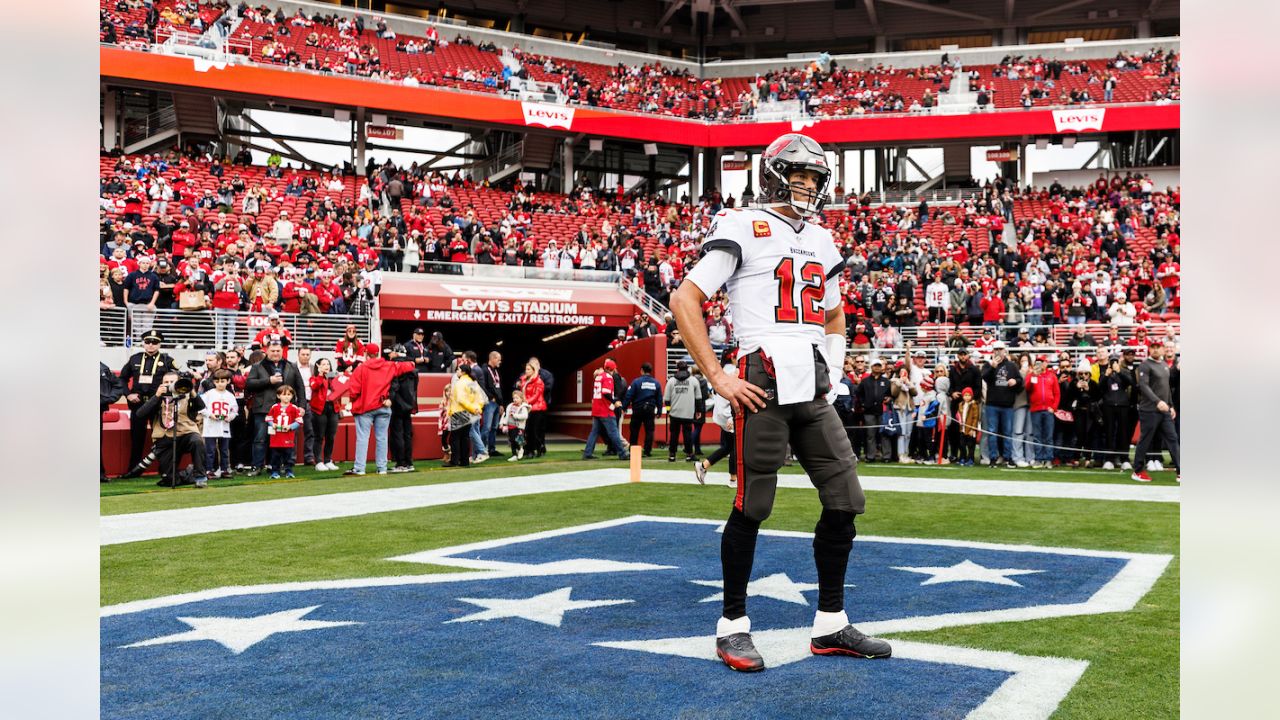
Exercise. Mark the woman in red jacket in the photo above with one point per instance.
(326, 417)
(535, 426)
(1043, 395)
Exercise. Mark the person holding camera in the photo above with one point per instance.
(264, 377)
(172, 412)
(141, 376)
(1004, 384)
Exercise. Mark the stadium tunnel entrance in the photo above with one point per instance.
(563, 323)
(561, 349)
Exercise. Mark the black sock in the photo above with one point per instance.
(737, 552)
(832, 541)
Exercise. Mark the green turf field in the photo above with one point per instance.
(1133, 656)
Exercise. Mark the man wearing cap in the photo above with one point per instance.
(276, 332)
(262, 381)
(680, 397)
(370, 390)
(141, 375)
(604, 401)
(1156, 414)
(228, 289)
(643, 397)
(415, 351)
(871, 395)
(142, 292)
(1004, 383)
(1043, 395)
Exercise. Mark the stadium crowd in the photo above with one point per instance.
(348, 45)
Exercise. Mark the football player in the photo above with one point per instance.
(781, 272)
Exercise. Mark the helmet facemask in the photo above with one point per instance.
(787, 155)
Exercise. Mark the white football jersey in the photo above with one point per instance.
(781, 275)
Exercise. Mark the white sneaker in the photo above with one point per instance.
(321, 467)
(520, 454)
(480, 458)
(1023, 464)
(333, 465)
(1126, 465)
(1159, 465)
(905, 461)
(1108, 465)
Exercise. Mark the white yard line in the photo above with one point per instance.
(135, 527)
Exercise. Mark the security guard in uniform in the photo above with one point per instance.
(644, 397)
(141, 376)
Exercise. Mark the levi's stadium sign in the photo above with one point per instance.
(472, 300)
(549, 116)
(1078, 120)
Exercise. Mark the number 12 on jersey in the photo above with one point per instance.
(811, 288)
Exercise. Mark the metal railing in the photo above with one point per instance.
(138, 129)
(113, 326)
(934, 355)
(195, 329)
(633, 289)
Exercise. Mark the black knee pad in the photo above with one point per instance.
(741, 525)
(835, 526)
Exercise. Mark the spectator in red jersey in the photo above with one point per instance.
(349, 349)
(275, 332)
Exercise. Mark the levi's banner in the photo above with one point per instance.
(1079, 120)
(384, 132)
(549, 116)
(471, 300)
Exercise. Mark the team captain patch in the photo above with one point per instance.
(761, 228)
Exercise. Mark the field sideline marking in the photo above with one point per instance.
(159, 524)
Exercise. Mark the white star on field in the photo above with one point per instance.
(548, 608)
(240, 634)
(969, 571)
(777, 586)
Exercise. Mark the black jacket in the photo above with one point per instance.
(492, 387)
(141, 374)
(966, 377)
(1117, 387)
(999, 393)
(110, 389)
(439, 358)
(258, 382)
(404, 394)
(872, 393)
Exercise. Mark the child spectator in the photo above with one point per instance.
(220, 407)
(283, 420)
(967, 417)
(514, 418)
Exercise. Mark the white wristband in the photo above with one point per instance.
(836, 346)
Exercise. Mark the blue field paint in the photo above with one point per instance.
(404, 658)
